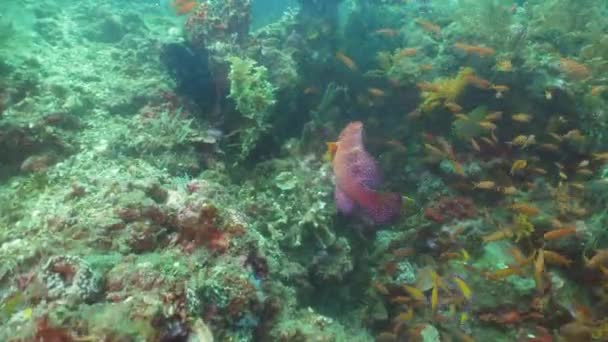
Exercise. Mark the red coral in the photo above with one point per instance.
(202, 227)
(451, 208)
(46, 333)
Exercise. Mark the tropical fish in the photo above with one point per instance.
(414, 292)
(485, 185)
(429, 26)
(481, 51)
(464, 288)
(478, 82)
(519, 164)
(347, 61)
(453, 107)
(408, 52)
(556, 259)
(525, 209)
(523, 141)
(376, 92)
(182, 7)
(487, 125)
(435, 292)
(357, 177)
(387, 32)
(521, 117)
(539, 269)
(559, 233)
(494, 116)
(508, 190)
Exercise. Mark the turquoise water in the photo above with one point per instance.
(303, 170)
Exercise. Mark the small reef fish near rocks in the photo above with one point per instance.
(357, 177)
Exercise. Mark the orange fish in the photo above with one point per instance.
(408, 52)
(539, 269)
(429, 26)
(481, 51)
(357, 177)
(387, 32)
(182, 7)
(502, 273)
(525, 209)
(478, 82)
(559, 233)
(556, 259)
(376, 92)
(347, 61)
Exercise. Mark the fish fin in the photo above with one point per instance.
(344, 203)
(383, 207)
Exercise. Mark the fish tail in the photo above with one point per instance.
(383, 207)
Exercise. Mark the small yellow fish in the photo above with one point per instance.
(577, 186)
(387, 32)
(601, 156)
(574, 135)
(509, 190)
(434, 151)
(521, 117)
(464, 288)
(462, 116)
(583, 163)
(539, 269)
(538, 170)
(518, 165)
(484, 185)
(413, 292)
(523, 141)
(556, 136)
(584, 172)
(347, 61)
(408, 52)
(494, 116)
(376, 92)
(487, 125)
(435, 292)
(549, 147)
(465, 255)
(405, 316)
(475, 145)
(453, 107)
(488, 141)
(464, 317)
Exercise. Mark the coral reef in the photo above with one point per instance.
(164, 173)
